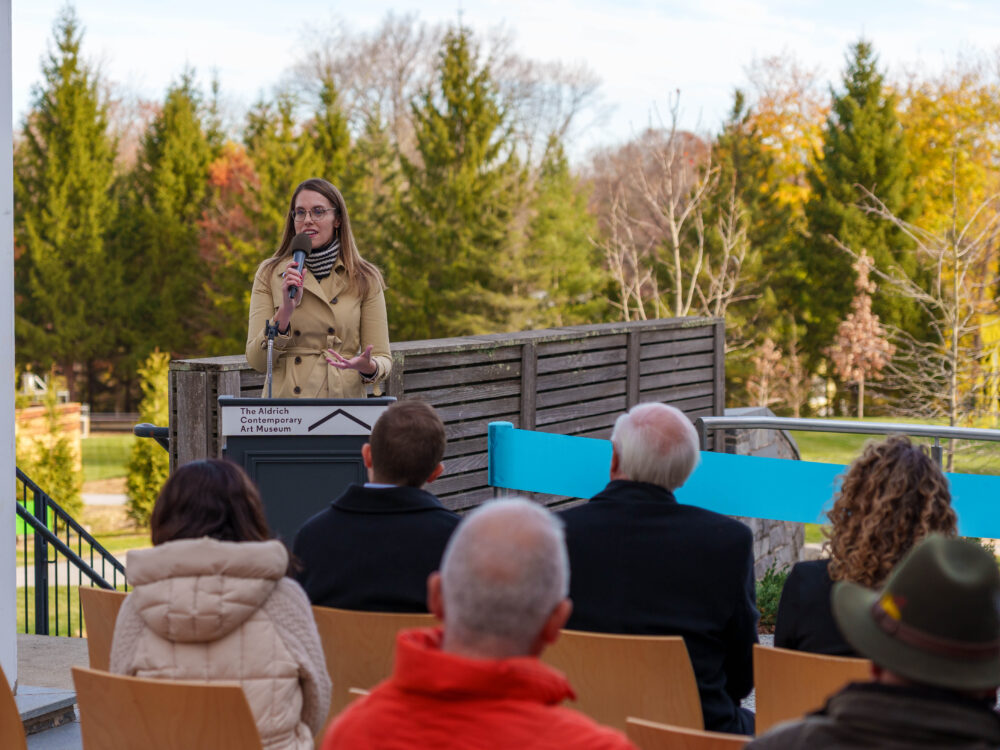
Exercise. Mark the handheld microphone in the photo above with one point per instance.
(301, 247)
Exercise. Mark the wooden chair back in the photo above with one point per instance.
(790, 684)
(11, 728)
(118, 712)
(100, 611)
(617, 676)
(359, 647)
(651, 735)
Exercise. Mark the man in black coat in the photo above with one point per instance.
(643, 564)
(375, 546)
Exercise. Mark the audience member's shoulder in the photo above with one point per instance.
(810, 571)
(798, 734)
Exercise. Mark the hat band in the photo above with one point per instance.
(932, 643)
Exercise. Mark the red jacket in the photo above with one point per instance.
(440, 700)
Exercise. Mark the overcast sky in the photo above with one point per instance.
(642, 50)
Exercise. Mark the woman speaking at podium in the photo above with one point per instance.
(331, 338)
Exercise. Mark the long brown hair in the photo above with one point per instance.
(361, 274)
(212, 498)
(892, 496)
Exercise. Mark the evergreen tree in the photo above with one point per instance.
(283, 155)
(149, 464)
(862, 145)
(749, 183)
(462, 244)
(159, 233)
(68, 291)
(567, 276)
(371, 187)
(331, 139)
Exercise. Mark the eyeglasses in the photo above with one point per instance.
(318, 214)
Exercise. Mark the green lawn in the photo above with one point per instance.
(66, 626)
(105, 456)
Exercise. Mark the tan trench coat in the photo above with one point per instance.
(330, 316)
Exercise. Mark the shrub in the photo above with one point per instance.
(769, 594)
(50, 460)
(149, 464)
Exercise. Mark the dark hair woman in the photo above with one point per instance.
(211, 600)
(333, 337)
(892, 496)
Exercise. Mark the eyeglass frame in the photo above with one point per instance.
(311, 212)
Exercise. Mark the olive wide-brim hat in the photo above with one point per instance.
(935, 622)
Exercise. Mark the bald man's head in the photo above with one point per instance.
(503, 574)
(655, 443)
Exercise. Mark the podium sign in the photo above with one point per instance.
(302, 453)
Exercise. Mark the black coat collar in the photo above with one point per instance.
(360, 499)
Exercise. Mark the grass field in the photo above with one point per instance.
(68, 597)
(105, 456)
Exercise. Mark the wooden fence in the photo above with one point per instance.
(571, 381)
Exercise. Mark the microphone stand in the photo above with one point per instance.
(271, 329)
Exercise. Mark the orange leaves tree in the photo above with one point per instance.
(861, 349)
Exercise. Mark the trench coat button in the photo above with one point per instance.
(329, 330)
(298, 360)
(298, 333)
(334, 300)
(297, 390)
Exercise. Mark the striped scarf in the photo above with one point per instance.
(320, 262)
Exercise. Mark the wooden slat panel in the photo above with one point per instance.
(572, 427)
(548, 399)
(691, 390)
(422, 362)
(474, 445)
(465, 463)
(458, 430)
(467, 500)
(672, 348)
(455, 394)
(463, 375)
(581, 360)
(550, 348)
(680, 362)
(720, 369)
(581, 377)
(460, 482)
(573, 411)
(192, 393)
(681, 377)
(673, 334)
(479, 409)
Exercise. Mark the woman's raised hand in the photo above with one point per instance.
(362, 363)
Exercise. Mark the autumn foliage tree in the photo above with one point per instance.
(861, 349)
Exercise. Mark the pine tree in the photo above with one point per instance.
(462, 242)
(566, 273)
(68, 291)
(371, 186)
(749, 182)
(283, 155)
(862, 145)
(330, 137)
(159, 233)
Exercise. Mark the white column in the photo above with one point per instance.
(8, 590)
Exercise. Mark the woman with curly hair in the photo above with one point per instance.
(892, 496)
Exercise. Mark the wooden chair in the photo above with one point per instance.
(359, 647)
(790, 684)
(617, 676)
(118, 712)
(100, 610)
(11, 728)
(651, 735)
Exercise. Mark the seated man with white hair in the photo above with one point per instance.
(477, 682)
(644, 564)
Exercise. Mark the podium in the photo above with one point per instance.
(302, 453)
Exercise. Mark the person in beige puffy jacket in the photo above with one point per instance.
(212, 600)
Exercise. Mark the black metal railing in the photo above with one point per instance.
(52, 532)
